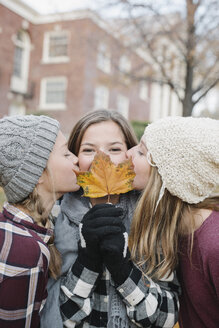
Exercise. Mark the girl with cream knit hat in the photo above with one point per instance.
(35, 170)
(176, 223)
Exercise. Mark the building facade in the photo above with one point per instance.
(64, 65)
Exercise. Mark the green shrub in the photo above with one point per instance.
(139, 127)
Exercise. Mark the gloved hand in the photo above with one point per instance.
(98, 222)
(116, 255)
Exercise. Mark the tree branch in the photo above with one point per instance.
(206, 91)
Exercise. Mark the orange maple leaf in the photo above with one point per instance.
(106, 178)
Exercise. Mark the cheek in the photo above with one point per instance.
(66, 171)
(118, 159)
(142, 174)
(84, 162)
(137, 166)
(68, 174)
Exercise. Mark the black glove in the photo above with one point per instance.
(116, 255)
(98, 222)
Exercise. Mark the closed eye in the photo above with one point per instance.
(115, 149)
(67, 153)
(88, 150)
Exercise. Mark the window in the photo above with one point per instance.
(56, 47)
(18, 55)
(19, 78)
(124, 69)
(143, 91)
(15, 109)
(101, 98)
(53, 93)
(123, 106)
(103, 58)
(124, 64)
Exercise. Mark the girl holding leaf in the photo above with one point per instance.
(177, 161)
(100, 285)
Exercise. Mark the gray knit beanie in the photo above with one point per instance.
(25, 145)
(186, 153)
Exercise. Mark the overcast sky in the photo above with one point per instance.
(52, 6)
(55, 6)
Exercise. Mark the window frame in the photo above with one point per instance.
(46, 47)
(20, 83)
(143, 91)
(125, 64)
(103, 58)
(43, 93)
(105, 103)
(124, 111)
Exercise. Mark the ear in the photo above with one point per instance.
(42, 178)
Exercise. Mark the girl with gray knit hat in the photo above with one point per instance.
(176, 222)
(35, 170)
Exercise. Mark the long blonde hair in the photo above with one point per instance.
(154, 235)
(34, 205)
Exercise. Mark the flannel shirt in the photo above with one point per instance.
(84, 299)
(24, 259)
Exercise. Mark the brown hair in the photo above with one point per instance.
(155, 231)
(33, 205)
(99, 116)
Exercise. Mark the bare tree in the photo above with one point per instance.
(179, 41)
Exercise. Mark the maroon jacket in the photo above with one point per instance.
(199, 278)
(24, 259)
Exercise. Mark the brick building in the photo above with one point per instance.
(64, 65)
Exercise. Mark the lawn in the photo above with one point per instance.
(2, 198)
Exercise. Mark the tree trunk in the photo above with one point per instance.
(187, 105)
(187, 101)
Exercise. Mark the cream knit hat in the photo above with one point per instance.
(186, 153)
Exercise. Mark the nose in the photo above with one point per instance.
(129, 153)
(103, 150)
(75, 159)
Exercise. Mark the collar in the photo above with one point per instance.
(14, 214)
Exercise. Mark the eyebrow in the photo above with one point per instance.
(64, 145)
(143, 144)
(87, 144)
(110, 143)
(115, 142)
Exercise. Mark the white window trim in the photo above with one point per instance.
(20, 84)
(125, 64)
(143, 91)
(54, 106)
(53, 60)
(17, 109)
(123, 100)
(105, 105)
(106, 66)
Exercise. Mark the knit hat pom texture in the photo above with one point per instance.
(186, 153)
